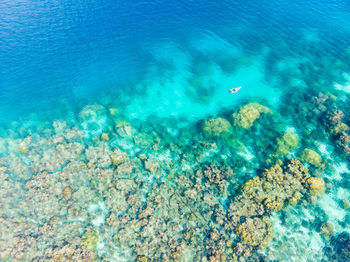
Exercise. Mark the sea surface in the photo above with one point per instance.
(120, 140)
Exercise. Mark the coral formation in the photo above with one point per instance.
(287, 143)
(343, 143)
(117, 156)
(276, 186)
(310, 156)
(317, 186)
(216, 126)
(67, 192)
(247, 114)
(216, 175)
(335, 123)
(90, 239)
(339, 130)
(261, 195)
(256, 231)
(105, 136)
(327, 230)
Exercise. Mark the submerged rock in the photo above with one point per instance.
(248, 113)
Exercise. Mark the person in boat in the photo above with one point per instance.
(234, 90)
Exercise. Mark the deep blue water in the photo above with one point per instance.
(54, 50)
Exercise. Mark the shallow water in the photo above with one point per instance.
(120, 141)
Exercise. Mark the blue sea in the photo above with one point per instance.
(120, 140)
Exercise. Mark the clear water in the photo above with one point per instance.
(78, 79)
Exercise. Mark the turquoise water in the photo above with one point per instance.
(120, 141)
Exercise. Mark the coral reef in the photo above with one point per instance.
(120, 182)
(261, 195)
(148, 192)
(247, 114)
